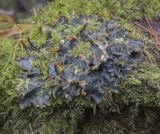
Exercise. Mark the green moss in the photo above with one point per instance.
(82, 49)
(8, 79)
(5, 26)
(93, 25)
(104, 127)
(143, 87)
(37, 35)
(56, 37)
(120, 41)
(119, 10)
(41, 61)
(73, 31)
(8, 68)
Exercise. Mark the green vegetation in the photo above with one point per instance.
(122, 10)
(82, 49)
(141, 88)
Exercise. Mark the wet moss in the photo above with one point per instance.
(8, 67)
(142, 87)
(84, 49)
(8, 80)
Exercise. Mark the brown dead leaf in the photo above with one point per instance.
(6, 18)
(18, 29)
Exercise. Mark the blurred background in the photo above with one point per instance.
(20, 8)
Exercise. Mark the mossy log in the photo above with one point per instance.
(32, 76)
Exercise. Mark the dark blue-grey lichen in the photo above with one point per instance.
(26, 63)
(31, 90)
(113, 55)
(30, 86)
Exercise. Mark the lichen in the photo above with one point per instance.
(119, 10)
(140, 89)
